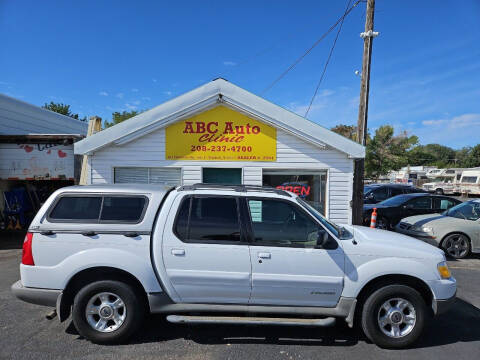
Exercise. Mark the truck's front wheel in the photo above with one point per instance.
(107, 311)
(394, 316)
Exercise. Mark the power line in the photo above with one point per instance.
(311, 48)
(328, 59)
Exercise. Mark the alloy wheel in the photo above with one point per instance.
(105, 312)
(396, 317)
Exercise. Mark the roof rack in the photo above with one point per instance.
(238, 188)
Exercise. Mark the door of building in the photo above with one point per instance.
(222, 176)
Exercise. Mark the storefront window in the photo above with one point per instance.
(309, 185)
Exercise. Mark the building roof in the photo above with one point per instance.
(20, 118)
(213, 93)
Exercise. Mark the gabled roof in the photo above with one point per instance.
(218, 91)
(20, 118)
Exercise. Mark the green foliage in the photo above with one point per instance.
(386, 151)
(348, 131)
(63, 109)
(118, 117)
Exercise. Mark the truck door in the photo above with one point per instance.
(205, 251)
(288, 268)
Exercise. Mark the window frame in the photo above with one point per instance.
(241, 221)
(97, 221)
(409, 202)
(251, 233)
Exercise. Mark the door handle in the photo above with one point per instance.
(48, 232)
(178, 252)
(89, 233)
(264, 255)
(130, 234)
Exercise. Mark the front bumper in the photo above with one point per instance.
(441, 306)
(45, 297)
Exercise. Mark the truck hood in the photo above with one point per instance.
(390, 244)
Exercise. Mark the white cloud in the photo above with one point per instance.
(146, 98)
(103, 93)
(134, 90)
(154, 80)
(130, 106)
(456, 132)
(119, 95)
(136, 102)
(229, 63)
(167, 93)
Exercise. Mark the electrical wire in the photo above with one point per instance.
(295, 63)
(328, 60)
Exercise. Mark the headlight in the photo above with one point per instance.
(424, 229)
(443, 270)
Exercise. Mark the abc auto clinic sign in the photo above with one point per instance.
(220, 134)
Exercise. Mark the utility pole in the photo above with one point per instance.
(368, 35)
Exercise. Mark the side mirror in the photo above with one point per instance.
(322, 238)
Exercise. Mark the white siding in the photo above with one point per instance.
(292, 153)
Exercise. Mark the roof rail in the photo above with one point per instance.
(238, 188)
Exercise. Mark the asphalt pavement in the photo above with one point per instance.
(26, 334)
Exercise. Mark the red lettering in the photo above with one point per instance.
(200, 127)
(209, 129)
(248, 128)
(255, 129)
(239, 130)
(297, 189)
(188, 128)
(305, 190)
(239, 139)
(228, 128)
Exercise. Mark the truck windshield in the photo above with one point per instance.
(469, 210)
(339, 231)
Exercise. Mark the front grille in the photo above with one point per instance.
(404, 226)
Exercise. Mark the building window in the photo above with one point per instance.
(309, 185)
(145, 175)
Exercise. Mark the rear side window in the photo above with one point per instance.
(77, 208)
(208, 219)
(122, 208)
(99, 209)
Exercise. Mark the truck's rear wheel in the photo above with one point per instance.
(394, 316)
(107, 311)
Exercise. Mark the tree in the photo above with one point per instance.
(473, 159)
(386, 152)
(63, 109)
(118, 117)
(349, 131)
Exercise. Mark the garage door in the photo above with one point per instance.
(144, 175)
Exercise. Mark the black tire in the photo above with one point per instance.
(454, 253)
(385, 222)
(372, 309)
(439, 191)
(133, 307)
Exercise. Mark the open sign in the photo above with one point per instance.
(301, 190)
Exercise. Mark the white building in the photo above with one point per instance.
(220, 133)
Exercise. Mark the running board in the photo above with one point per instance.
(186, 319)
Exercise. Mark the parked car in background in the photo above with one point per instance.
(456, 231)
(233, 254)
(374, 193)
(391, 211)
(470, 182)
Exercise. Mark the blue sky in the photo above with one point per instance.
(105, 56)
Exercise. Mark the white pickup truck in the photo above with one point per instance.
(235, 254)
